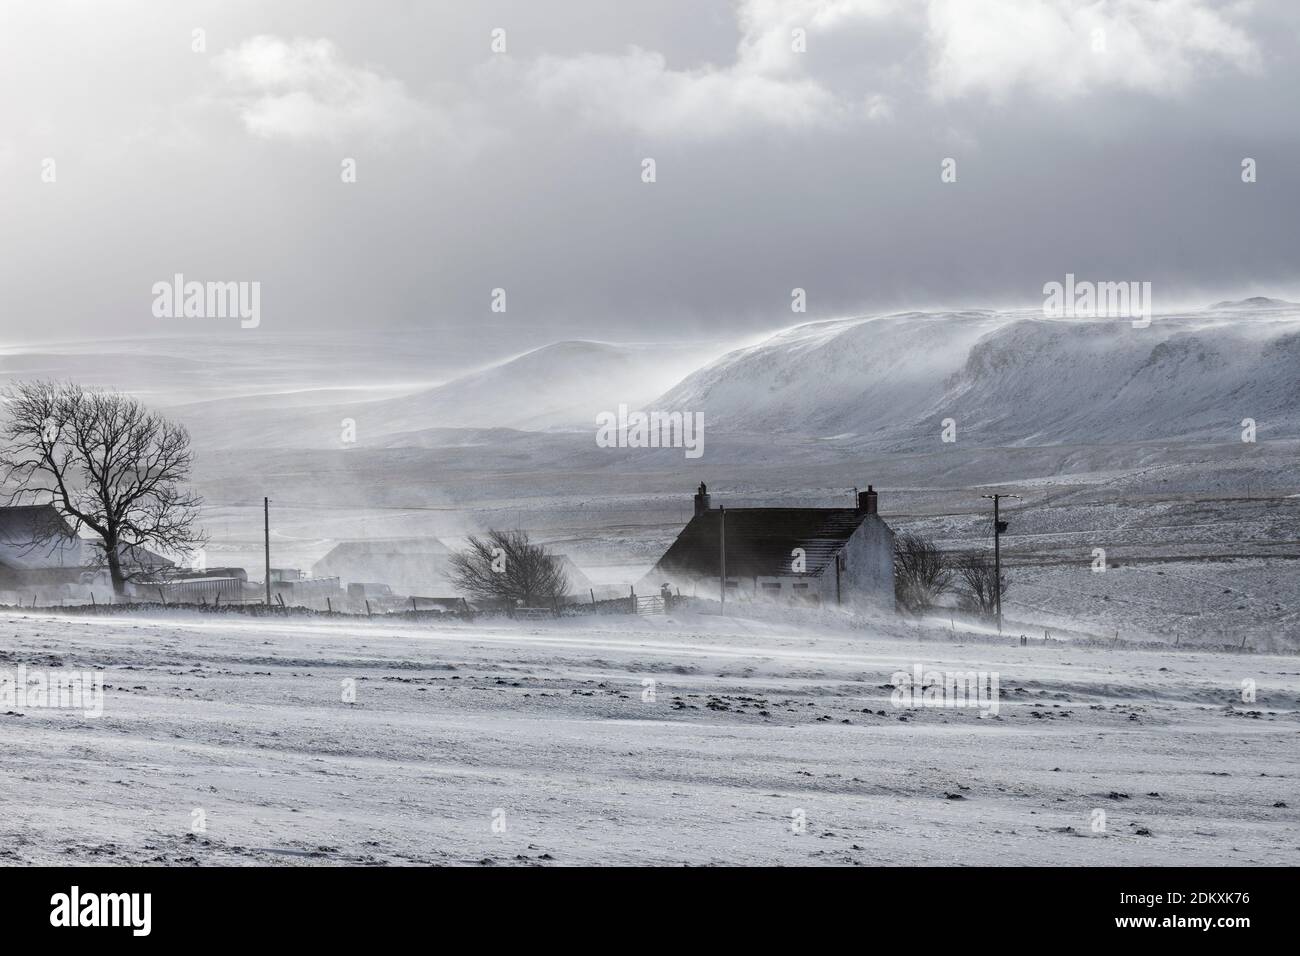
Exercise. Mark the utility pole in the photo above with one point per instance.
(999, 526)
(266, 537)
(722, 555)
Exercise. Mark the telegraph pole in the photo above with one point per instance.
(266, 537)
(722, 555)
(999, 526)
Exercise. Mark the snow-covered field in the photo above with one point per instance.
(495, 743)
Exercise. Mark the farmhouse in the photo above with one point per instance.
(41, 554)
(823, 556)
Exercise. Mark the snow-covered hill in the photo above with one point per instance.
(885, 382)
(1012, 378)
(561, 385)
(846, 377)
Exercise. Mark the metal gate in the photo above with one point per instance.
(650, 605)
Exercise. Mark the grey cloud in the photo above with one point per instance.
(776, 169)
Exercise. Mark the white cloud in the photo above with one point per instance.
(302, 90)
(638, 90)
(766, 27)
(878, 107)
(766, 85)
(1064, 48)
(992, 47)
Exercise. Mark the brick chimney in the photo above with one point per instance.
(701, 500)
(867, 501)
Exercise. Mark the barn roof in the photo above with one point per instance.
(371, 546)
(760, 541)
(577, 578)
(36, 536)
(419, 564)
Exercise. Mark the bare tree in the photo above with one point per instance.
(506, 565)
(921, 573)
(107, 464)
(977, 575)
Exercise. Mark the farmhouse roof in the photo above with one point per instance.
(760, 541)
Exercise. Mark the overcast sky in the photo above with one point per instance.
(1113, 155)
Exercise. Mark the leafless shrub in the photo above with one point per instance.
(921, 573)
(507, 566)
(976, 574)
